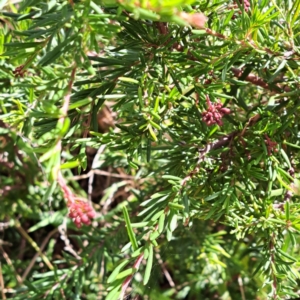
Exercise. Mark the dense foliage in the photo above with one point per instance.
(149, 149)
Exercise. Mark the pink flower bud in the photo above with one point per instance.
(219, 122)
(85, 219)
(91, 214)
(88, 208)
(73, 214)
(225, 110)
(214, 113)
(196, 19)
(88, 222)
(80, 213)
(77, 220)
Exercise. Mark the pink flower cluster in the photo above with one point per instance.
(271, 145)
(246, 5)
(19, 71)
(214, 113)
(81, 212)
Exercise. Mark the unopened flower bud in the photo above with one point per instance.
(73, 214)
(225, 111)
(85, 219)
(91, 214)
(77, 220)
(196, 19)
(81, 212)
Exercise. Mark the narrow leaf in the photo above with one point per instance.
(130, 231)
(149, 265)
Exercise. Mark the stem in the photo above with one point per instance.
(45, 242)
(9, 262)
(253, 79)
(274, 284)
(68, 193)
(34, 245)
(128, 279)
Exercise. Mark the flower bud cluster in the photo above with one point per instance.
(271, 145)
(246, 4)
(19, 71)
(214, 113)
(246, 7)
(81, 212)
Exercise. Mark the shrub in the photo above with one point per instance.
(149, 149)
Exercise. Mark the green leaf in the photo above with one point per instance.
(161, 223)
(149, 265)
(130, 231)
(176, 206)
(171, 177)
(114, 294)
(125, 273)
(70, 165)
(138, 252)
(127, 79)
(172, 220)
(116, 271)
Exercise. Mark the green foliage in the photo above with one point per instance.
(183, 136)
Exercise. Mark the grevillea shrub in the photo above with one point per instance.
(149, 149)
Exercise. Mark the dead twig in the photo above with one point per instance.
(9, 262)
(103, 173)
(63, 236)
(95, 164)
(241, 285)
(164, 269)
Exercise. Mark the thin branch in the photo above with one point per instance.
(64, 237)
(9, 262)
(164, 269)
(103, 173)
(245, 43)
(95, 164)
(34, 245)
(43, 245)
(62, 118)
(214, 33)
(67, 97)
(128, 279)
(272, 250)
(241, 285)
(223, 141)
(252, 78)
(56, 285)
